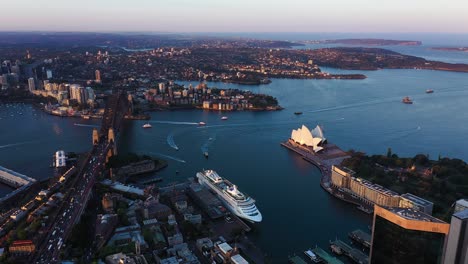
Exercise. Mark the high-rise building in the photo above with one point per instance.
(404, 236)
(98, 76)
(49, 74)
(162, 87)
(90, 95)
(456, 248)
(31, 84)
(78, 93)
(461, 205)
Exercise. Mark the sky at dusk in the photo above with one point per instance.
(449, 16)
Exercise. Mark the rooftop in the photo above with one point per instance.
(411, 214)
(463, 202)
(462, 214)
(416, 199)
(345, 169)
(239, 259)
(225, 247)
(376, 187)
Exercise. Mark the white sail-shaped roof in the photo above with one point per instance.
(312, 139)
(318, 133)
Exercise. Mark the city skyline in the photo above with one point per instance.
(240, 16)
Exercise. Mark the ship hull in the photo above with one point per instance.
(234, 209)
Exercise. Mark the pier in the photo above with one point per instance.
(354, 254)
(152, 180)
(324, 160)
(326, 257)
(16, 180)
(361, 237)
(330, 155)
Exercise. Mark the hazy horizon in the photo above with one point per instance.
(212, 16)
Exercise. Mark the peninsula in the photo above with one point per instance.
(462, 49)
(366, 42)
(350, 58)
(441, 181)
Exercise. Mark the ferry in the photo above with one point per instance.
(312, 256)
(237, 202)
(201, 123)
(224, 118)
(407, 100)
(147, 125)
(298, 113)
(429, 91)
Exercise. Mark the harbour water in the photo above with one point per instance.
(365, 115)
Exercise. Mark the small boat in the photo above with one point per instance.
(407, 100)
(147, 125)
(336, 249)
(224, 118)
(298, 113)
(429, 91)
(312, 256)
(205, 154)
(201, 123)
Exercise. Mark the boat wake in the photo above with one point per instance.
(227, 125)
(173, 122)
(169, 157)
(85, 125)
(171, 142)
(206, 146)
(16, 144)
(403, 134)
(366, 103)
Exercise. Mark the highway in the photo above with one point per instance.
(72, 208)
(75, 201)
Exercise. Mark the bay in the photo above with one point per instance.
(365, 115)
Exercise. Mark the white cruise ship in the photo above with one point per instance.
(237, 202)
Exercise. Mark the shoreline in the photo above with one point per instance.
(324, 164)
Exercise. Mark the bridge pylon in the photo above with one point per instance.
(95, 136)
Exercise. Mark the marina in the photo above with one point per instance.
(361, 237)
(296, 260)
(354, 254)
(326, 257)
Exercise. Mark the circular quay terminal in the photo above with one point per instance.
(233, 132)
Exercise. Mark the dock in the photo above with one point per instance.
(354, 254)
(361, 237)
(296, 260)
(324, 160)
(326, 257)
(16, 180)
(152, 180)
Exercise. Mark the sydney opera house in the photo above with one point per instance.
(313, 139)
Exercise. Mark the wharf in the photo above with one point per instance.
(330, 156)
(355, 254)
(326, 257)
(296, 260)
(361, 237)
(324, 160)
(152, 180)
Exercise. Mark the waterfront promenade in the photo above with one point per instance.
(331, 155)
